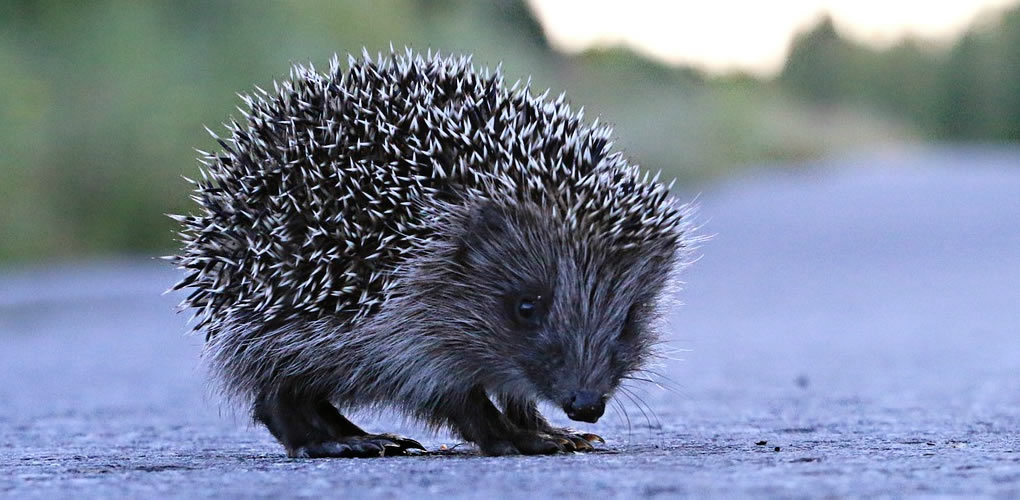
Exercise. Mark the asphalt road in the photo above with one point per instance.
(861, 318)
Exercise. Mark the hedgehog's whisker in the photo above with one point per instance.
(669, 386)
(657, 378)
(626, 416)
(641, 405)
(658, 423)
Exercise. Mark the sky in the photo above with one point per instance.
(748, 35)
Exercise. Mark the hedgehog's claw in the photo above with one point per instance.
(399, 445)
(545, 443)
(367, 446)
(580, 441)
(581, 444)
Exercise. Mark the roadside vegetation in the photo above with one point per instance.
(102, 103)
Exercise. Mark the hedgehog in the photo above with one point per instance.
(411, 234)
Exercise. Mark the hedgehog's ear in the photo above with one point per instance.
(486, 223)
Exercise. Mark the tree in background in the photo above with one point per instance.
(1011, 61)
(820, 65)
(970, 92)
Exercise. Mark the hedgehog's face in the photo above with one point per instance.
(569, 315)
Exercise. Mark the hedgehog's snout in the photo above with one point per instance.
(585, 406)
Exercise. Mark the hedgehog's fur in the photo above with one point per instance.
(361, 232)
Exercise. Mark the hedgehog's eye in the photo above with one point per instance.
(529, 310)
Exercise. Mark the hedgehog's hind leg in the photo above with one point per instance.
(316, 429)
(525, 414)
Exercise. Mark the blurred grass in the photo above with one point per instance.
(103, 102)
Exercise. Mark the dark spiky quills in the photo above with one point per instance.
(318, 194)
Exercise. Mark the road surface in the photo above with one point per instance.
(853, 329)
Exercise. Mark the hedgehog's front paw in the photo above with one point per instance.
(541, 443)
(580, 441)
(524, 443)
(367, 446)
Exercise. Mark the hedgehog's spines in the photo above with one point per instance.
(319, 186)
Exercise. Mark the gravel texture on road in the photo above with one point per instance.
(853, 329)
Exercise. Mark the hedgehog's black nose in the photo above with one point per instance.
(585, 406)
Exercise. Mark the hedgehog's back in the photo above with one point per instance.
(313, 199)
(317, 196)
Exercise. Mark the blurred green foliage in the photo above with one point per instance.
(103, 102)
(969, 92)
